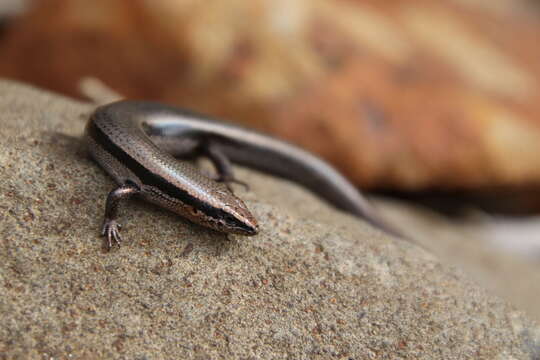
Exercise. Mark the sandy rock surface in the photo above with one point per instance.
(308, 287)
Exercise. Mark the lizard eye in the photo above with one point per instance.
(229, 218)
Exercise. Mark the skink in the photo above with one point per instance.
(140, 145)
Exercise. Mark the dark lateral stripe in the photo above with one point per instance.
(150, 178)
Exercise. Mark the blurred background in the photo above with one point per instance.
(436, 103)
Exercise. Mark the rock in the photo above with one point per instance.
(502, 254)
(314, 283)
(400, 95)
(10, 8)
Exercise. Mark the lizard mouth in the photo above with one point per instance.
(253, 230)
(247, 226)
(251, 227)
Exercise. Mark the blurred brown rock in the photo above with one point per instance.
(405, 95)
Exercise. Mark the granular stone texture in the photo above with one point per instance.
(304, 288)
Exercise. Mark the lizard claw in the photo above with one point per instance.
(111, 230)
